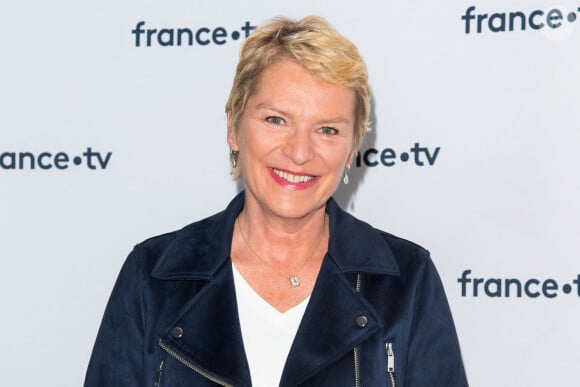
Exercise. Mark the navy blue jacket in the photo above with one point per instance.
(378, 312)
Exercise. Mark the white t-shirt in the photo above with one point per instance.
(267, 333)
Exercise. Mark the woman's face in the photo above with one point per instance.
(295, 137)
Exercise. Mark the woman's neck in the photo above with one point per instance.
(281, 239)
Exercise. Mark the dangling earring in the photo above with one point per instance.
(345, 180)
(234, 157)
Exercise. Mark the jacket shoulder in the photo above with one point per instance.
(403, 246)
(411, 258)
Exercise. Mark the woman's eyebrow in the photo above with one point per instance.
(325, 121)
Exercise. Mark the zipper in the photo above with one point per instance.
(190, 365)
(158, 374)
(391, 363)
(356, 350)
(356, 367)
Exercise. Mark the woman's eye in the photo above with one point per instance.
(275, 120)
(328, 131)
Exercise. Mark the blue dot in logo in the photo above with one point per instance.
(236, 34)
(404, 156)
(572, 17)
(77, 160)
(567, 289)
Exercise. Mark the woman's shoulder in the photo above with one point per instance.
(379, 249)
(209, 230)
(196, 250)
(402, 245)
(186, 235)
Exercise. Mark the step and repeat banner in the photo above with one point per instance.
(112, 129)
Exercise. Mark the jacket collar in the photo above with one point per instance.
(200, 249)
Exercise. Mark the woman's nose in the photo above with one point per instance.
(299, 147)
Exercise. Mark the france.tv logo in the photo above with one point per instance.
(146, 36)
(417, 155)
(504, 287)
(553, 19)
(89, 158)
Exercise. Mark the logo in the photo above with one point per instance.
(89, 159)
(183, 36)
(552, 19)
(515, 287)
(388, 157)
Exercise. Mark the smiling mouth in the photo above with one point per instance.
(289, 177)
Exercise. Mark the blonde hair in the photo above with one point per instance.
(316, 45)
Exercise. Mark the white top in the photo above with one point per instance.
(267, 333)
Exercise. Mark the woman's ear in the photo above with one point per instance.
(351, 158)
(232, 140)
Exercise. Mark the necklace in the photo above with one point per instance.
(293, 278)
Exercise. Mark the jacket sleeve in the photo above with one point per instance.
(434, 354)
(117, 357)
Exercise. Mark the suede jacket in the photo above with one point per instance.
(377, 316)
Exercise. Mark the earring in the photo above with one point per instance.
(234, 158)
(345, 180)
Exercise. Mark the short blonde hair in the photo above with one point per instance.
(316, 45)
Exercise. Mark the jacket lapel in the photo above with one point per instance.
(202, 305)
(211, 336)
(329, 328)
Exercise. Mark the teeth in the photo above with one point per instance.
(293, 178)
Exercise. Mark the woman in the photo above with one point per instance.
(283, 287)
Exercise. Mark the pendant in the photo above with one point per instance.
(294, 281)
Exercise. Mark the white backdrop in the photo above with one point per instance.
(129, 141)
